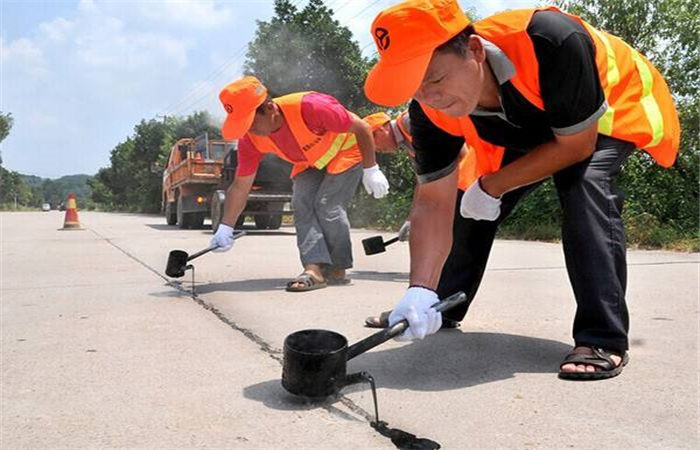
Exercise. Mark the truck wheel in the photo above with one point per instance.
(261, 222)
(275, 222)
(170, 213)
(179, 214)
(217, 209)
(183, 218)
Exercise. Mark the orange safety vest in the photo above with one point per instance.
(336, 152)
(640, 106)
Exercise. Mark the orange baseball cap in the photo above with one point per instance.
(240, 99)
(406, 36)
(376, 120)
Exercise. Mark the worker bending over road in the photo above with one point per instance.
(330, 148)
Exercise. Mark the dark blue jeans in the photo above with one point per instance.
(593, 236)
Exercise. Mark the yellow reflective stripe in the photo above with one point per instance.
(651, 108)
(351, 141)
(333, 150)
(605, 123)
(613, 72)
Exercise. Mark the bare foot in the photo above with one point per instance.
(586, 367)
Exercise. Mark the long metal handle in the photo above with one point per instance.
(399, 327)
(236, 235)
(391, 241)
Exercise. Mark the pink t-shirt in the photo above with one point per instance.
(321, 113)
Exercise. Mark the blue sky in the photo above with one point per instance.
(78, 75)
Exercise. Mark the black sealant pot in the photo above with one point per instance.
(315, 361)
(178, 259)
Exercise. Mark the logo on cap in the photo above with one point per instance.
(382, 35)
(228, 108)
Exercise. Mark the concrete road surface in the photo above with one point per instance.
(99, 349)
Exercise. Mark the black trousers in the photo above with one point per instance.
(593, 236)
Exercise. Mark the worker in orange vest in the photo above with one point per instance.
(546, 95)
(330, 148)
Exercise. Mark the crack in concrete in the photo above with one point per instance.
(272, 352)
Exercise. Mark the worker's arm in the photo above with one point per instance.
(373, 179)
(236, 198)
(363, 134)
(432, 215)
(543, 161)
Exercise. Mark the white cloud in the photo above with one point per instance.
(188, 13)
(24, 56)
(56, 30)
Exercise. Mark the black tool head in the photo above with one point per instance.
(373, 245)
(177, 264)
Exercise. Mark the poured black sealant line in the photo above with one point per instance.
(401, 439)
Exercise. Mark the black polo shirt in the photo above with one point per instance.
(569, 85)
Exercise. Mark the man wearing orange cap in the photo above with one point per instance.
(538, 93)
(331, 150)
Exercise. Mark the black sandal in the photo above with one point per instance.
(308, 283)
(601, 359)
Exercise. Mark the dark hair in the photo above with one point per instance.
(261, 109)
(458, 43)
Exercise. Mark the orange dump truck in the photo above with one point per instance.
(193, 173)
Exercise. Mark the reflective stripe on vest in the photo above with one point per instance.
(651, 108)
(647, 100)
(605, 123)
(340, 143)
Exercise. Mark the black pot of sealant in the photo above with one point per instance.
(315, 367)
(315, 361)
(178, 259)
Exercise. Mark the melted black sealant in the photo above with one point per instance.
(401, 439)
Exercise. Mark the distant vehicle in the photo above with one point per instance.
(46, 207)
(193, 173)
(269, 198)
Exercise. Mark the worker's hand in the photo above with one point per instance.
(375, 182)
(223, 238)
(415, 306)
(478, 204)
(404, 231)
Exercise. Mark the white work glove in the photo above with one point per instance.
(477, 204)
(223, 238)
(415, 306)
(405, 231)
(375, 182)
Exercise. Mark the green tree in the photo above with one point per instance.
(13, 189)
(302, 50)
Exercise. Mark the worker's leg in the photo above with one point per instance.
(310, 241)
(331, 203)
(471, 244)
(594, 245)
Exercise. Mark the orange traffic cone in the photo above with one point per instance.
(71, 221)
